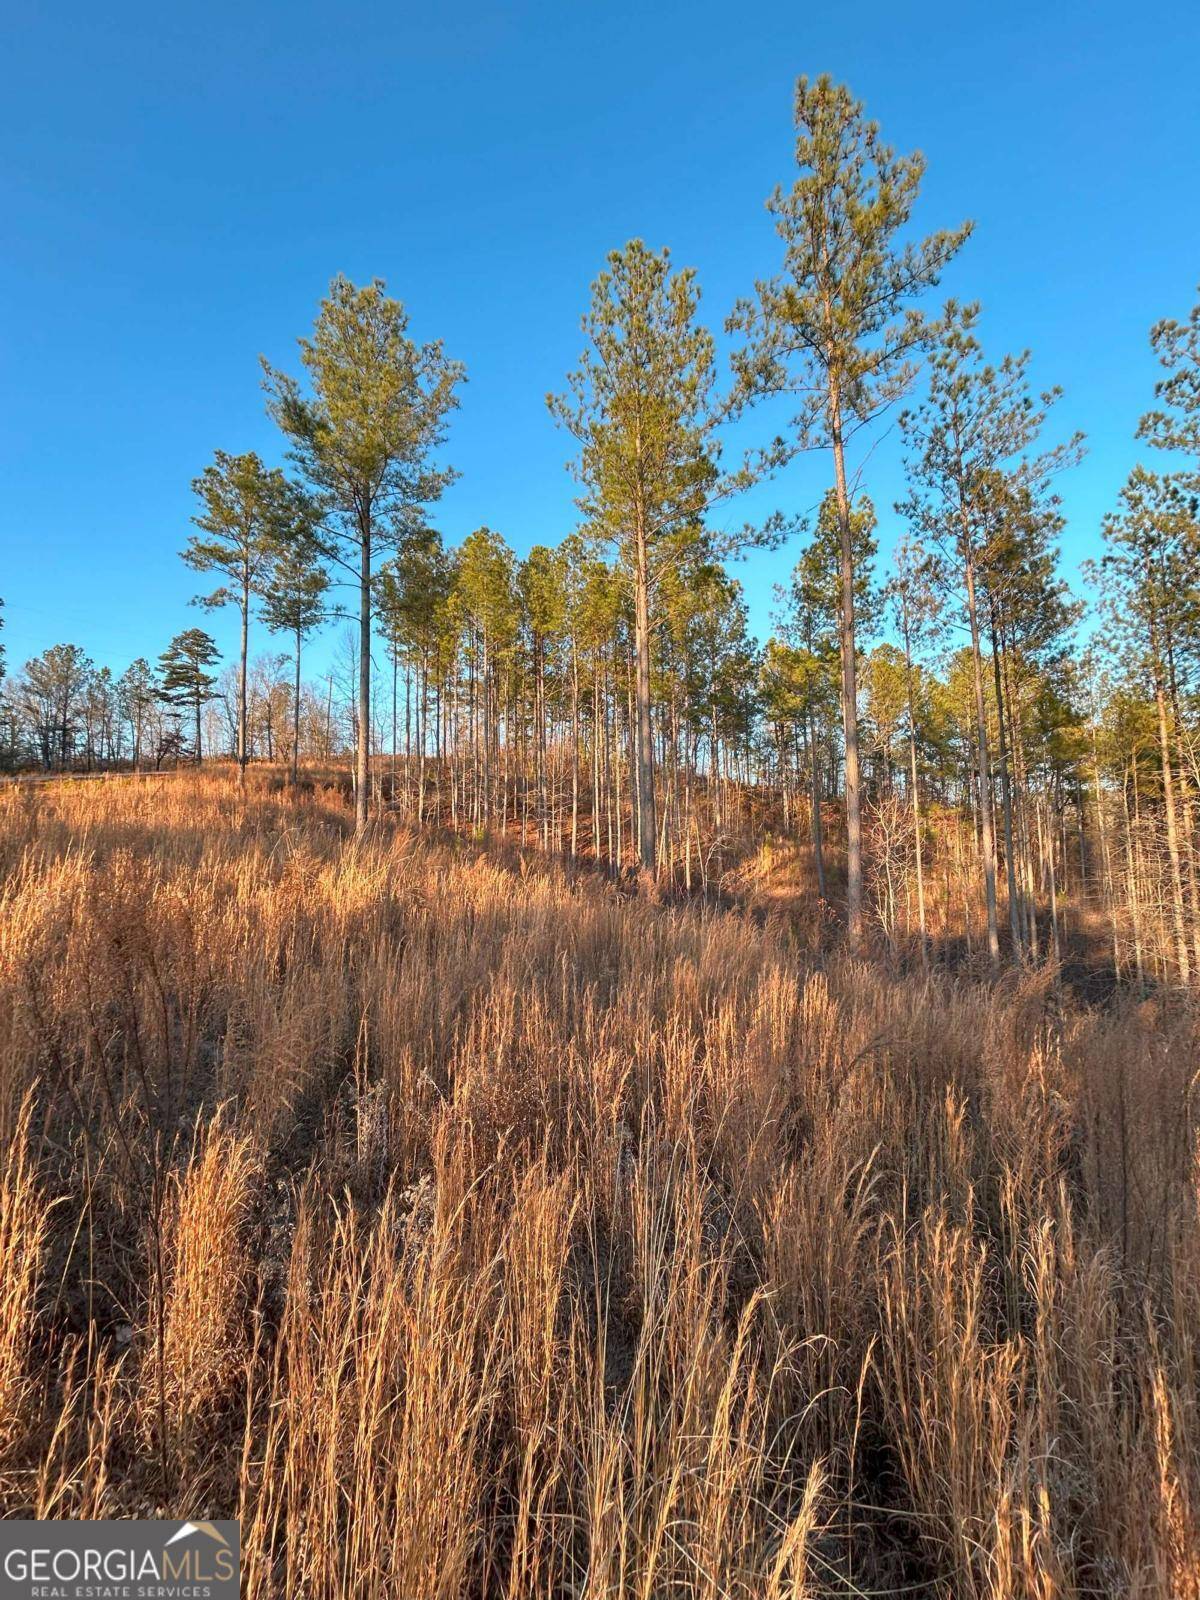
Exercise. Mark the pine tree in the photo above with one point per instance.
(644, 409)
(137, 690)
(1176, 424)
(970, 446)
(365, 439)
(1149, 579)
(1028, 617)
(247, 511)
(913, 595)
(184, 677)
(593, 611)
(541, 587)
(834, 330)
(414, 593)
(294, 602)
(812, 617)
(485, 598)
(51, 690)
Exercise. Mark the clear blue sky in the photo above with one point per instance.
(180, 182)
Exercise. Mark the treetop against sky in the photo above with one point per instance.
(181, 184)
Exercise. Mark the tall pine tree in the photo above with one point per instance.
(835, 329)
(365, 437)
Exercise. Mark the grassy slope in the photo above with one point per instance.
(466, 1228)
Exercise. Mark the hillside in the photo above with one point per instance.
(467, 1226)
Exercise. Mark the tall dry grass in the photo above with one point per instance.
(466, 1227)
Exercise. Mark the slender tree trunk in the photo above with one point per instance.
(1026, 906)
(243, 662)
(1186, 830)
(818, 831)
(296, 718)
(1173, 853)
(647, 825)
(988, 845)
(618, 767)
(362, 756)
(485, 686)
(395, 716)
(1033, 937)
(916, 794)
(540, 696)
(1046, 840)
(718, 806)
(574, 750)
(854, 868)
(1131, 890)
(1105, 855)
(1014, 925)
(422, 733)
(598, 729)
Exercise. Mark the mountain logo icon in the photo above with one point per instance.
(186, 1529)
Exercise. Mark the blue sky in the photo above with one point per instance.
(179, 183)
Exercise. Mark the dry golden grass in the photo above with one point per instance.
(206, 1281)
(23, 1227)
(466, 1227)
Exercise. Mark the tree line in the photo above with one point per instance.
(934, 731)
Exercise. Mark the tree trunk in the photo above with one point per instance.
(485, 685)
(1177, 914)
(854, 869)
(818, 832)
(1105, 855)
(574, 750)
(1052, 873)
(296, 718)
(243, 752)
(988, 838)
(422, 733)
(647, 826)
(599, 730)
(395, 715)
(362, 754)
(540, 697)
(1186, 831)
(1014, 925)
(916, 795)
(1131, 885)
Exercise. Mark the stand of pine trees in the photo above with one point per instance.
(927, 756)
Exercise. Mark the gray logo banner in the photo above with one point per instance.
(119, 1561)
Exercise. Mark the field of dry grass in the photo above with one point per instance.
(468, 1228)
